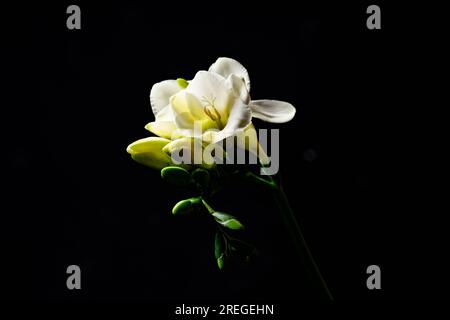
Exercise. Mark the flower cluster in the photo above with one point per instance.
(213, 106)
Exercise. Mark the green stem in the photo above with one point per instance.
(222, 230)
(207, 206)
(298, 239)
(253, 177)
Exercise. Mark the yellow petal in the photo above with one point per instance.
(149, 152)
(163, 129)
(185, 102)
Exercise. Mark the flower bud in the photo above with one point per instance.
(219, 250)
(149, 152)
(201, 177)
(185, 206)
(182, 83)
(176, 175)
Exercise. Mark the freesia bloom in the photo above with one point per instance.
(217, 102)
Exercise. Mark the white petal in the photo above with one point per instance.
(248, 140)
(165, 114)
(164, 124)
(161, 93)
(239, 88)
(240, 117)
(212, 88)
(272, 110)
(227, 66)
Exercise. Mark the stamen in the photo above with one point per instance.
(208, 113)
(211, 111)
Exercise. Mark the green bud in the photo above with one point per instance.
(185, 206)
(201, 176)
(219, 247)
(220, 261)
(228, 221)
(233, 224)
(176, 175)
(182, 83)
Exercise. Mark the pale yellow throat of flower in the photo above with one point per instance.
(211, 111)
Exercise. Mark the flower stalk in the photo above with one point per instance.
(298, 239)
(218, 102)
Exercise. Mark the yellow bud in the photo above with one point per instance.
(149, 152)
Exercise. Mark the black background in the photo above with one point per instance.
(77, 98)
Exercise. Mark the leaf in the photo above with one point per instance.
(176, 175)
(228, 221)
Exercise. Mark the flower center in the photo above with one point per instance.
(211, 111)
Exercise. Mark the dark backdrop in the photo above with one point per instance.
(76, 99)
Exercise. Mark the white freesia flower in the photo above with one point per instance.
(216, 101)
